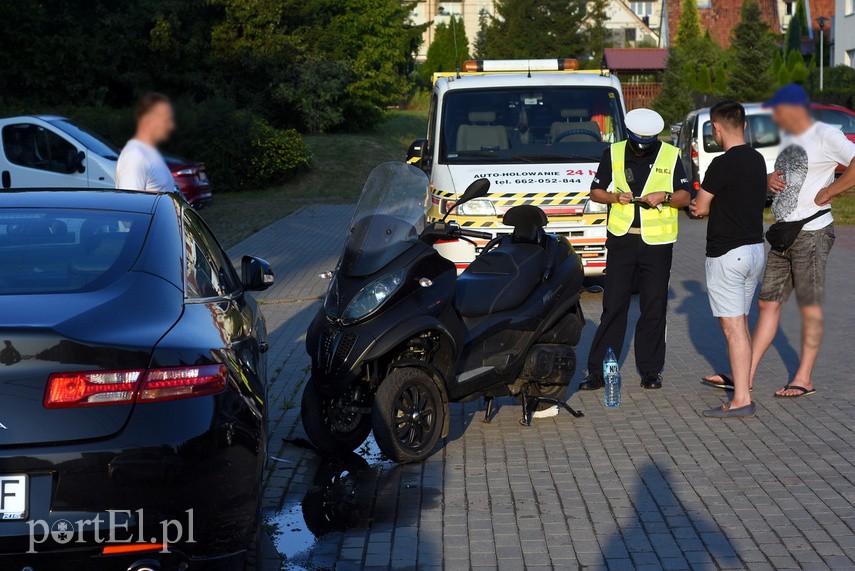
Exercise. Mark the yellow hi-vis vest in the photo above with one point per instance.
(657, 227)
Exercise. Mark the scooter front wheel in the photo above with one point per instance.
(408, 415)
(329, 425)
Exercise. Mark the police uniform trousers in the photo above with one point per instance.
(632, 263)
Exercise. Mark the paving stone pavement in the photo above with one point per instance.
(649, 485)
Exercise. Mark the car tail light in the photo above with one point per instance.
(78, 389)
(85, 389)
(695, 154)
(182, 382)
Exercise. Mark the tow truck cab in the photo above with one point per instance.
(537, 130)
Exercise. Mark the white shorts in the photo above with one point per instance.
(732, 280)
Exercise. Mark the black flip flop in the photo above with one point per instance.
(804, 392)
(726, 385)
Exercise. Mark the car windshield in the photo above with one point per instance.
(388, 220)
(523, 125)
(45, 250)
(92, 142)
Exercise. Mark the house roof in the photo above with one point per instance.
(722, 16)
(636, 59)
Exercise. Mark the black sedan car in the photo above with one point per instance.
(132, 385)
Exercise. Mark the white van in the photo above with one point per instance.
(42, 151)
(537, 130)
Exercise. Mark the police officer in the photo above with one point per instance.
(643, 181)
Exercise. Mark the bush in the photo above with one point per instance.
(276, 154)
(240, 150)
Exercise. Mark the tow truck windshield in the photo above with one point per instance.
(517, 125)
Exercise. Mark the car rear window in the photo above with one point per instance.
(710, 145)
(44, 250)
(760, 132)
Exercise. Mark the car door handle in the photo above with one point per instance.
(264, 347)
(7, 179)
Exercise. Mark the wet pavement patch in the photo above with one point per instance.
(349, 492)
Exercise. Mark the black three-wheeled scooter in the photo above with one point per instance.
(400, 335)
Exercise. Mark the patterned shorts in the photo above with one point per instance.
(800, 267)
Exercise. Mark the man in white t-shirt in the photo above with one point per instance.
(140, 166)
(804, 185)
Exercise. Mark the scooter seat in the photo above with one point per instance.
(500, 279)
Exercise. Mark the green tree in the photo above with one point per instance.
(545, 29)
(777, 62)
(675, 100)
(798, 28)
(479, 45)
(751, 76)
(598, 35)
(450, 47)
(721, 79)
(783, 77)
(704, 82)
(373, 39)
(689, 25)
(796, 68)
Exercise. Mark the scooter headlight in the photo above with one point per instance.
(372, 296)
(477, 207)
(592, 207)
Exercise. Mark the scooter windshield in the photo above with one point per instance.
(388, 220)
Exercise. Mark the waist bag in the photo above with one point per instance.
(781, 235)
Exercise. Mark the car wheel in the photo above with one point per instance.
(408, 415)
(330, 427)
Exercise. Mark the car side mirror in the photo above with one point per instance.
(74, 162)
(417, 152)
(256, 274)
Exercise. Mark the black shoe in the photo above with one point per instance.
(592, 383)
(651, 381)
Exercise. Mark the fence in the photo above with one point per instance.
(640, 94)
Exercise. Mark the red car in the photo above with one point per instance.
(840, 117)
(192, 180)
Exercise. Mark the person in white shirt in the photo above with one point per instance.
(140, 165)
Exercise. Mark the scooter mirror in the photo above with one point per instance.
(478, 189)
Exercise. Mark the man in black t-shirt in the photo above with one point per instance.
(733, 194)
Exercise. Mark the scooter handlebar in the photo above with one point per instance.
(474, 233)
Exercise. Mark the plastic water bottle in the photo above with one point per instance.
(611, 377)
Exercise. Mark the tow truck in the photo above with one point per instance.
(537, 130)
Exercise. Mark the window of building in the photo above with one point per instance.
(850, 7)
(629, 36)
(704, 3)
(642, 9)
(849, 58)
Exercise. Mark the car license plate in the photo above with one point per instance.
(13, 497)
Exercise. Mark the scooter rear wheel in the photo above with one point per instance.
(329, 426)
(408, 415)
